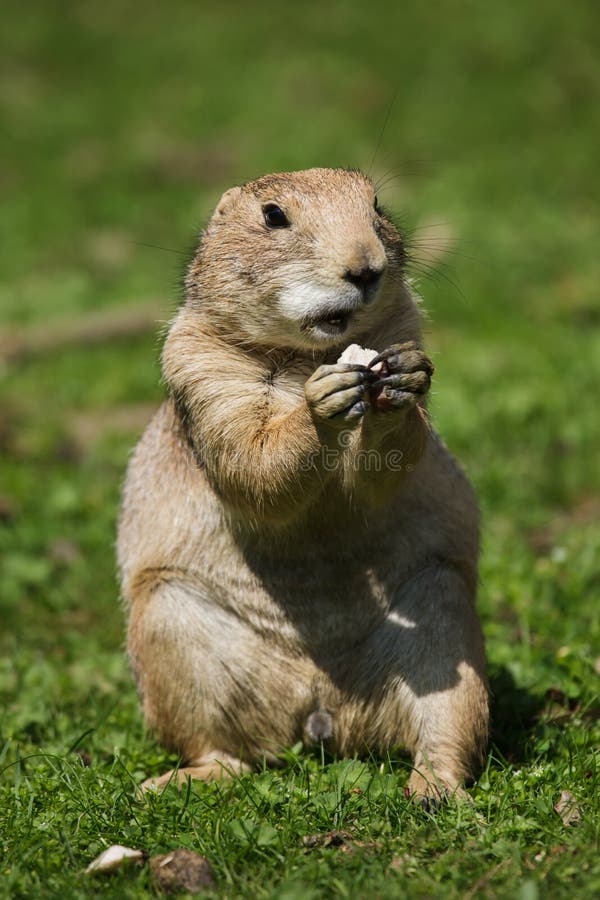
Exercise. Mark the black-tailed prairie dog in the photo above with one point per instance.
(298, 549)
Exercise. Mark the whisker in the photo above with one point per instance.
(385, 123)
(158, 247)
(446, 249)
(435, 273)
(389, 177)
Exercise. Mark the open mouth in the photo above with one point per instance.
(331, 325)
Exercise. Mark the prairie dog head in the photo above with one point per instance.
(304, 260)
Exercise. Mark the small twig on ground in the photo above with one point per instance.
(20, 344)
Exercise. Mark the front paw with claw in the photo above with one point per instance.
(403, 377)
(338, 395)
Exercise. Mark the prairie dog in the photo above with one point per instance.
(298, 550)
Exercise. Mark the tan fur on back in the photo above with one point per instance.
(283, 553)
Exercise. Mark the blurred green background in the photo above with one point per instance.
(121, 125)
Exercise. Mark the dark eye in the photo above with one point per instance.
(274, 216)
(376, 206)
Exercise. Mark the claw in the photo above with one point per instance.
(371, 376)
(394, 350)
(382, 357)
(406, 356)
(358, 409)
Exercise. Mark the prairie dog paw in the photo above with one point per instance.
(338, 394)
(430, 791)
(404, 376)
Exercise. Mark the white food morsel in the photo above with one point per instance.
(360, 355)
(112, 858)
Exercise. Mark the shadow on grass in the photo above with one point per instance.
(515, 714)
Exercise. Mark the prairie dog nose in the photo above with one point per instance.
(365, 277)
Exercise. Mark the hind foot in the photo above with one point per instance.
(211, 767)
(430, 790)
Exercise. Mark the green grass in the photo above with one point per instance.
(122, 125)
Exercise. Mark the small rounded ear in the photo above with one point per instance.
(227, 200)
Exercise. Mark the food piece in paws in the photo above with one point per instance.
(361, 355)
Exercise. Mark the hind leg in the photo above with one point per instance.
(429, 657)
(445, 674)
(451, 735)
(183, 675)
(208, 686)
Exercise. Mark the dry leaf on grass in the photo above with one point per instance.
(113, 858)
(568, 808)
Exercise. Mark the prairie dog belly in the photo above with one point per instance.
(260, 676)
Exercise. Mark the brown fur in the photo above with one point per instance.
(272, 567)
